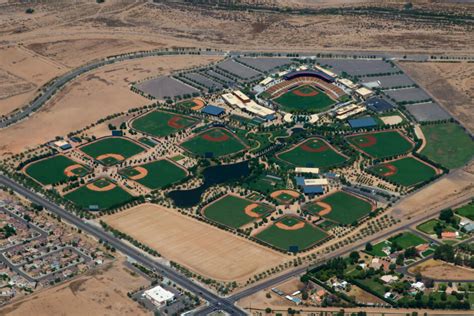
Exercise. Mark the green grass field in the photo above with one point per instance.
(409, 171)
(467, 211)
(51, 170)
(84, 197)
(346, 208)
(230, 211)
(147, 141)
(447, 144)
(214, 142)
(312, 152)
(428, 226)
(381, 144)
(161, 124)
(407, 240)
(284, 239)
(285, 198)
(305, 102)
(161, 173)
(112, 145)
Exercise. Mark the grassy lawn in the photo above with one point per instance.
(428, 226)
(407, 240)
(381, 144)
(264, 184)
(408, 171)
(161, 124)
(373, 284)
(214, 142)
(312, 152)
(377, 249)
(447, 144)
(467, 211)
(147, 142)
(294, 103)
(112, 145)
(51, 170)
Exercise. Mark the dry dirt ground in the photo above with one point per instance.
(200, 247)
(100, 292)
(451, 84)
(91, 97)
(442, 271)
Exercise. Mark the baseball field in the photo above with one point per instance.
(291, 233)
(55, 169)
(313, 152)
(101, 193)
(340, 207)
(285, 196)
(161, 124)
(214, 142)
(406, 171)
(381, 144)
(234, 211)
(304, 98)
(111, 150)
(156, 174)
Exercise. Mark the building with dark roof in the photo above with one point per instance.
(378, 104)
(309, 73)
(362, 122)
(213, 110)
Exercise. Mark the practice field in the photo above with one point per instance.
(381, 144)
(406, 171)
(341, 207)
(101, 193)
(156, 174)
(161, 124)
(313, 152)
(55, 169)
(285, 196)
(304, 98)
(200, 247)
(467, 211)
(235, 211)
(111, 150)
(214, 142)
(406, 240)
(289, 233)
(447, 144)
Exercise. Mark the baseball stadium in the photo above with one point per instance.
(161, 123)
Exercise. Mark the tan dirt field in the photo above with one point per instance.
(100, 292)
(391, 120)
(442, 271)
(362, 296)
(451, 84)
(200, 247)
(89, 98)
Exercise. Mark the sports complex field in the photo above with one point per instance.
(291, 233)
(111, 150)
(313, 152)
(161, 124)
(407, 171)
(340, 207)
(101, 193)
(55, 169)
(214, 142)
(381, 144)
(285, 196)
(304, 98)
(234, 211)
(156, 174)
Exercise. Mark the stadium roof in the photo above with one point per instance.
(313, 189)
(213, 110)
(362, 122)
(378, 104)
(309, 73)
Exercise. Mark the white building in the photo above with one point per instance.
(389, 278)
(316, 182)
(419, 286)
(158, 295)
(364, 93)
(307, 170)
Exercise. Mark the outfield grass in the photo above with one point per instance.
(84, 197)
(161, 124)
(447, 144)
(346, 208)
(224, 143)
(301, 156)
(388, 143)
(161, 173)
(293, 103)
(112, 145)
(407, 240)
(51, 170)
(410, 171)
(230, 211)
(284, 239)
(467, 211)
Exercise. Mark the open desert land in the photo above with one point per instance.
(200, 247)
(451, 84)
(90, 97)
(440, 270)
(99, 292)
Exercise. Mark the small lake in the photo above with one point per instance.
(212, 176)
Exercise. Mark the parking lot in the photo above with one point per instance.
(407, 95)
(357, 67)
(165, 86)
(425, 112)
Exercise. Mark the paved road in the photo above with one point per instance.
(214, 300)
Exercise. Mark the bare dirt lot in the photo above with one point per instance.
(451, 84)
(100, 292)
(91, 97)
(440, 270)
(200, 247)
